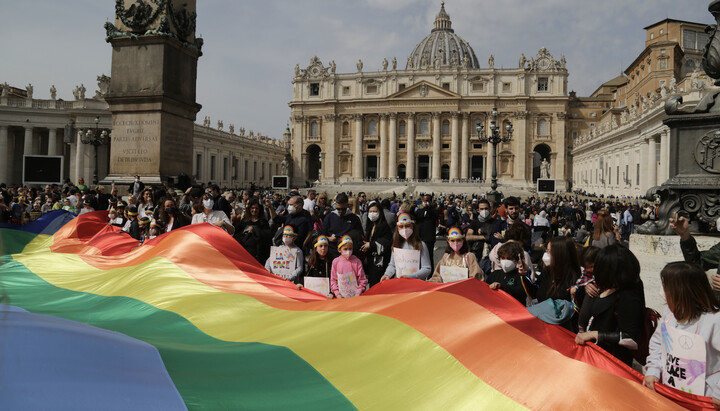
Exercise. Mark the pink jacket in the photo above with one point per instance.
(342, 265)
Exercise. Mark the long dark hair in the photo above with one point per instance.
(254, 202)
(414, 239)
(564, 265)
(616, 267)
(377, 224)
(687, 291)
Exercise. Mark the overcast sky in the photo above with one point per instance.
(251, 48)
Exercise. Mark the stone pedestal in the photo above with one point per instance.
(152, 96)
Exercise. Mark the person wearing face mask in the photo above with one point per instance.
(478, 234)
(318, 264)
(427, 215)
(116, 220)
(286, 260)
(297, 217)
(214, 217)
(136, 187)
(253, 231)
(561, 270)
(155, 229)
(410, 256)
(518, 233)
(347, 277)
(341, 222)
(511, 276)
(377, 245)
(456, 256)
(708, 259)
(171, 216)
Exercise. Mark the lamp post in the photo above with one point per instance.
(495, 137)
(95, 138)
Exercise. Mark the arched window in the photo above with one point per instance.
(542, 127)
(346, 129)
(424, 127)
(314, 129)
(402, 128)
(372, 128)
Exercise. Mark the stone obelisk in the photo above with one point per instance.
(152, 89)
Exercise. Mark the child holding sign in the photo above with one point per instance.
(317, 277)
(410, 256)
(286, 260)
(457, 263)
(685, 348)
(347, 278)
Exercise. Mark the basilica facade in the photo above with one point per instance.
(419, 123)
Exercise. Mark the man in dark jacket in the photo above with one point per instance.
(426, 217)
(341, 222)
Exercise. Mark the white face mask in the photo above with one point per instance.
(507, 265)
(546, 259)
(288, 241)
(346, 254)
(112, 216)
(153, 231)
(406, 232)
(484, 214)
(373, 216)
(208, 204)
(291, 209)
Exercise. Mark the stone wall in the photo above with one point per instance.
(654, 252)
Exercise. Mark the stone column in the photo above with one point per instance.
(559, 133)
(651, 163)
(52, 142)
(392, 152)
(79, 156)
(383, 147)
(454, 146)
(464, 155)
(520, 143)
(28, 149)
(297, 142)
(489, 162)
(330, 155)
(357, 157)
(664, 172)
(410, 147)
(4, 155)
(435, 171)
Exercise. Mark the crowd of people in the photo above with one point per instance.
(565, 258)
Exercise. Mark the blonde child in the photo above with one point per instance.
(349, 270)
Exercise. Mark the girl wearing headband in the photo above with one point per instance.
(464, 264)
(319, 262)
(287, 259)
(410, 256)
(347, 277)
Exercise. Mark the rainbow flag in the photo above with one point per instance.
(228, 335)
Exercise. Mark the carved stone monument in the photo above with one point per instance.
(152, 89)
(695, 152)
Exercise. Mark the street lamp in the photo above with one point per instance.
(96, 138)
(495, 137)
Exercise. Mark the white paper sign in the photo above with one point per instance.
(284, 261)
(407, 262)
(684, 360)
(347, 284)
(318, 284)
(451, 274)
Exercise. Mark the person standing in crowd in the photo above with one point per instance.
(171, 217)
(319, 262)
(132, 226)
(322, 209)
(214, 217)
(340, 222)
(136, 187)
(81, 184)
(309, 202)
(220, 203)
(386, 206)
(519, 233)
(427, 218)
(457, 256)
(512, 273)
(378, 238)
(253, 231)
(512, 206)
(406, 239)
(362, 203)
(613, 319)
(347, 277)
(102, 198)
(586, 282)
(692, 314)
(146, 202)
(116, 220)
(299, 219)
(561, 270)
(708, 259)
(606, 232)
(478, 234)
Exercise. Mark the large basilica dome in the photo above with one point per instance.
(442, 47)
